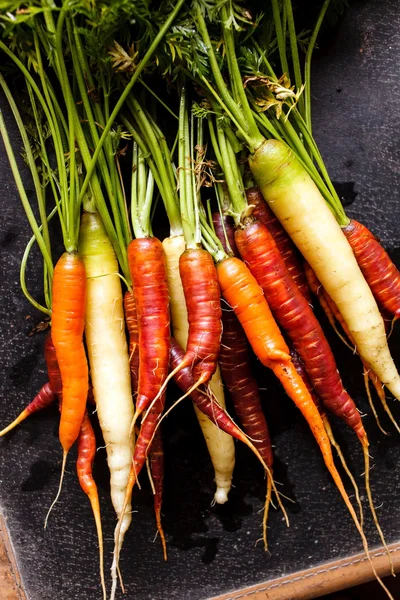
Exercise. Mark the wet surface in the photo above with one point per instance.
(212, 549)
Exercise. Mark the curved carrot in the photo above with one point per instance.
(292, 311)
(43, 399)
(133, 331)
(157, 474)
(148, 270)
(288, 250)
(234, 361)
(68, 323)
(84, 464)
(202, 295)
(381, 273)
(242, 292)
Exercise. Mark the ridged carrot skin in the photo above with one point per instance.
(157, 474)
(84, 467)
(133, 331)
(381, 273)
(301, 370)
(292, 311)
(68, 322)
(202, 295)
(225, 230)
(234, 360)
(148, 270)
(288, 250)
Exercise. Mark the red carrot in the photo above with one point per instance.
(202, 296)
(133, 331)
(286, 247)
(148, 270)
(381, 273)
(53, 370)
(84, 465)
(157, 475)
(42, 400)
(225, 231)
(293, 312)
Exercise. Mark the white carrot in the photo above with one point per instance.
(300, 207)
(108, 355)
(220, 445)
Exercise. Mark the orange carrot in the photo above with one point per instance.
(68, 323)
(84, 464)
(244, 295)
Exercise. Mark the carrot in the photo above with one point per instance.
(68, 322)
(288, 250)
(241, 291)
(219, 444)
(294, 314)
(133, 331)
(110, 371)
(225, 232)
(49, 390)
(148, 270)
(84, 464)
(243, 388)
(381, 273)
(157, 475)
(298, 204)
(43, 399)
(202, 295)
(53, 370)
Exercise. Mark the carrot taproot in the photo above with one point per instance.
(381, 273)
(202, 295)
(288, 250)
(148, 270)
(44, 398)
(133, 331)
(84, 465)
(242, 292)
(292, 311)
(110, 371)
(157, 475)
(234, 360)
(68, 323)
(49, 391)
(219, 444)
(296, 201)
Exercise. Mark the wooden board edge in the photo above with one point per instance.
(326, 578)
(10, 580)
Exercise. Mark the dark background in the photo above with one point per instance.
(212, 549)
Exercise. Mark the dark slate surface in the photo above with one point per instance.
(212, 549)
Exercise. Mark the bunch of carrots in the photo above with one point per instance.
(256, 231)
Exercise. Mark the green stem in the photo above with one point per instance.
(307, 65)
(279, 36)
(24, 198)
(236, 76)
(229, 168)
(153, 47)
(185, 185)
(295, 52)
